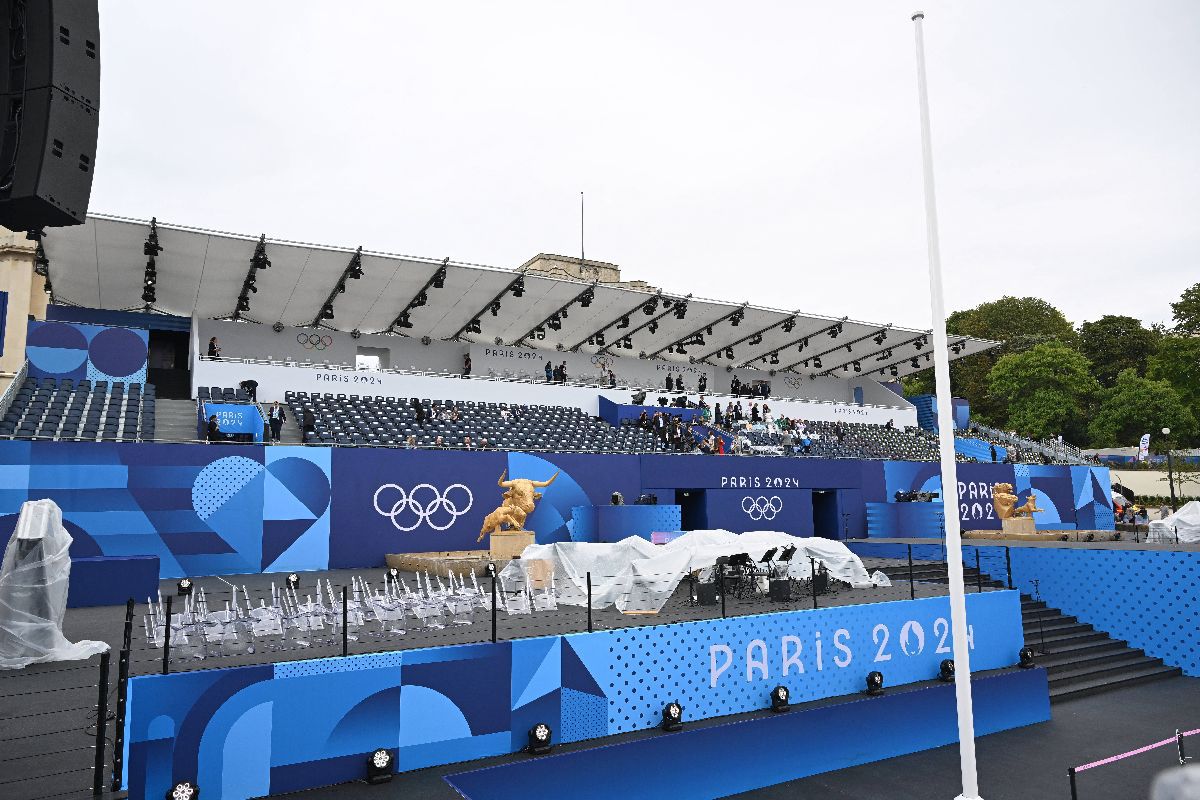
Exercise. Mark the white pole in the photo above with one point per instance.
(945, 419)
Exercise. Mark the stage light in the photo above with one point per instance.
(475, 327)
(681, 309)
(857, 366)
(736, 319)
(341, 287)
(293, 581)
(627, 343)
(184, 587)
(894, 371)
(708, 330)
(875, 683)
(946, 670)
(243, 304)
(439, 277)
(914, 363)
(148, 295)
(554, 323)
(729, 352)
(327, 312)
(672, 717)
(652, 327)
(539, 739)
(585, 300)
(420, 300)
(617, 499)
(756, 339)
(402, 321)
(774, 358)
(880, 337)
(789, 324)
(919, 343)
(624, 323)
(184, 790)
(650, 307)
(1026, 658)
(379, 767)
(600, 339)
(518, 287)
(780, 699)
(817, 363)
(835, 331)
(494, 307)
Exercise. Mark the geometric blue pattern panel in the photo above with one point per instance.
(252, 731)
(76, 350)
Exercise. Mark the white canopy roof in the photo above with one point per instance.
(101, 264)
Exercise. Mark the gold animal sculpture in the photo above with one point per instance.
(519, 498)
(1005, 503)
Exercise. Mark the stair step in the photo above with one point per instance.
(1049, 624)
(1103, 683)
(1125, 662)
(1058, 639)
(1096, 651)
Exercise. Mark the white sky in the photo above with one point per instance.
(761, 151)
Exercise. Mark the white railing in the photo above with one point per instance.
(10, 393)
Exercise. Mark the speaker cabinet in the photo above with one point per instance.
(780, 590)
(706, 594)
(49, 109)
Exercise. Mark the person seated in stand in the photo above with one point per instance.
(439, 443)
(418, 410)
(454, 414)
(484, 444)
(505, 415)
(466, 443)
(411, 442)
(719, 449)
(214, 430)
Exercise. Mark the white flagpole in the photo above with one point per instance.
(945, 418)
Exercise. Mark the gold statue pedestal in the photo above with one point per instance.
(1018, 526)
(506, 545)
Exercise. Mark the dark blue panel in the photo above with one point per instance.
(760, 472)
(3, 318)
(741, 510)
(127, 319)
(110, 581)
(614, 523)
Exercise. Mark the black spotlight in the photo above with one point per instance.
(184, 587)
(379, 767)
(617, 499)
(1026, 657)
(672, 717)
(293, 581)
(875, 683)
(183, 790)
(946, 670)
(780, 697)
(392, 575)
(539, 740)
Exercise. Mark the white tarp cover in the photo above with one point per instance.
(635, 575)
(1186, 520)
(33, 591)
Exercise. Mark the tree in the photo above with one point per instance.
(1137, 405)
(1044, 389)
(1187, 312)
(1018, 323)
(1115, 343)
(1177, 361)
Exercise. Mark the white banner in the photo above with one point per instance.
(1144, 447)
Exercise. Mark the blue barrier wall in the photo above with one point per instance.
(3, 318)
(233, 418)
(228, 509)
(615, 413)
(75, 350)
(762, 751)
(251, 731)
(1149, 598)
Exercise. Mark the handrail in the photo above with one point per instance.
(10, 393)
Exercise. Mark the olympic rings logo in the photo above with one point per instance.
(435, 508)
(314, 341)
(761, 508)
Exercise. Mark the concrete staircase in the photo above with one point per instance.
(1079, 660)
(175, 421)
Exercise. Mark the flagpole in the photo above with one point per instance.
(945, 420)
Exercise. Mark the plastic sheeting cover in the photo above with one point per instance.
(1186, 520)
(33, 591)
(635, 575)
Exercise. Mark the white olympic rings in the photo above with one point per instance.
(761, 507)
(423, 511)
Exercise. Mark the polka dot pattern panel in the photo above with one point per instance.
(584, 716)
(331, 666)
(221, 480)
(1149, 598)
(727, 666)
(120, 352)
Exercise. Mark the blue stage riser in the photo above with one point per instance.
(250, 731)
(763, 751)
(229, 509)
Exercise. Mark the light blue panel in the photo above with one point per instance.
(55, 360)
(246, 762)
(78, 476)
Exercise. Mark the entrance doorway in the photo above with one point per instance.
(693, 507)
(167, 362)
(826, 517)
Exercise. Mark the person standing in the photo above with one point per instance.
(702, 383)
(309, 425)
(214, 348)
(735, 386)
(549, 372)
(276, 418)
(562, 370)
(214, 430)
(418, 409)
(467, 365)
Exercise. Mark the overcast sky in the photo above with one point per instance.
(760, 151)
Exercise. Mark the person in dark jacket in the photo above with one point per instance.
(418, 411)
(214, 430)
(308, 424)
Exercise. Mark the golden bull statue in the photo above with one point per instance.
(1005, 503)
(519, 497)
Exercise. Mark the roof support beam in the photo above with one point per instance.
(740, 311)
(353, 271)
(802, 340)
(670, 306)
(625, 316)
(436, 281)
(517, 283)
(850, 344)
(748, 336)
(257, 261)
(589, 294)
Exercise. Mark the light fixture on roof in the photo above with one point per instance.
(650, 307)
(243, 304)
(849, 347)
(327, 311)
(957, 347)
(439, 277)
(518, 287)
(624, 323)
(538, 333)
(857, 366)
(788, 324)
(341, 287)
(356, 334)
(585, 299)
(494, 308)
(420, 300)
(554, 323)
(914, 362)
(681, 309)
(151, 247)
(894, 372)
(817, 362)
(599, 339)
(277, 327)
(774, 358)
(475, 326)
(835, 331)
(259, 260)
(736, 318)
(729, 352)
(355, 271)
(921, 342)
(880, 337)
(402, 321)
(756, 339)
(652, 327)
(627, 343)
(708, 330)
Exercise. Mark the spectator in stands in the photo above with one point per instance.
(612, 379)
(720, 447)
(702, 384)
(718, 417)
(505, 415)
(484, 444)
(549, 372)
(439, 443)
(643, 420)
(308, 425)
(670, 383)
(735, 386)
(891, 424)
(214, 430)
(467, 365)
(411, 442)
(466, 443)
(250, 387)
(562, 370)
(418, 410)
(754, 417)
(993, 449)
(214, 348)
(275, 418)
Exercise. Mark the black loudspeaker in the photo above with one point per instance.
(780, 590)
(706, 594)
(49, 109)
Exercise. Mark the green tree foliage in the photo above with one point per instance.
(1137, 405)
(1177, 361)
(1116, 343)
(1187, 312)
(1044, 390)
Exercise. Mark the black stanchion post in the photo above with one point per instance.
(912, 586)
(1071, 774)
(128, 638)
(101, 725)
(589, 584)
(166, 667)
(978, 574)
(1008, 565)
(721, 577)
(812, 562)
(345, 619)
(493, 608)
(118, 768)
(1179, 746)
